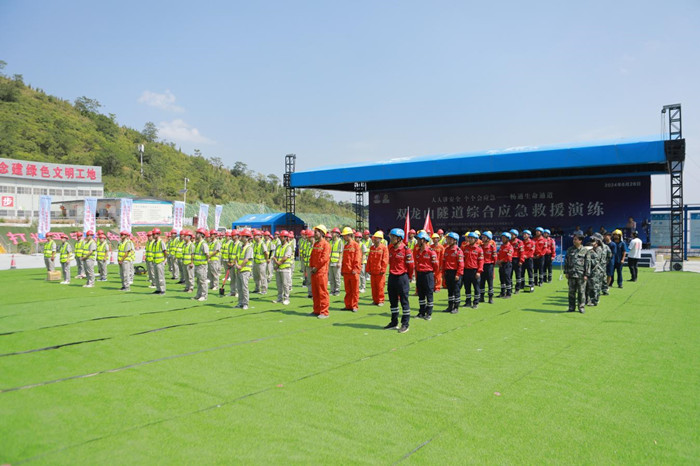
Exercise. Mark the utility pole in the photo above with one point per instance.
(184, 191)
(141, 148)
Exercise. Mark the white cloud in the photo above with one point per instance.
(165, 101)
(179, 131)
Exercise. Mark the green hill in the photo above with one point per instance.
(41, 127)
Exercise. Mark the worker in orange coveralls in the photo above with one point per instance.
(318, 263)
(439, 252)
(377, 261)
(351, 269)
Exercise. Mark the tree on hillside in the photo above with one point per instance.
(9, 88)
(86, 105)
(150, 131)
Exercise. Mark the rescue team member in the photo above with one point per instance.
(526, 259)
(541, 250)
(187, 261)
(175, 255)
(400, 272)
(102, 255)
(490, 257)
(366, 243)
(439, 252)
(79, 255)
(49, 253)
(89, 252)
(65, 256)
(125, 257)
(214, 260)
(505, 265)
(473, 267)
(351, 269)
(518, 283)
(453, 268)
(270, 245)
(618, 257)
(159, 253)
(200, 260)
(303, 242)
(596, 258)
(427, 267)
(336, 263)
(577, 267)
(363, 260)
(319, 263)
(260, 259)
(377, 261)
(282, 263)
(148, 256)
(550, 256)
(441, 234)
(234, 247)
(412, 241)
(244, 265)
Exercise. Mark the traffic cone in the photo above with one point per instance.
(13, 265)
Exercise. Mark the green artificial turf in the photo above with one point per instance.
(163, 379)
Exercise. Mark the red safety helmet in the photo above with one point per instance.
(247, 233)
(335, 230)
(213, 232)
(124, 232)
(89, 233)
(100, 232)
(201, 230)
(284, 233)
(156, 231)
(234, 233)
(440, 231)
(79, 234)
(366, 232)
(411, 231)
(268, 234)
(358, 234)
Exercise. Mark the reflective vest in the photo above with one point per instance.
(157, 251)
(149, 251)
(217, 256)
(79, 248)
(198, 257)
(279, 255)
(49, 248)
(412, 243)
(123, 254)
(259, 253)
(366, 243)
(187, 252)
(241, 257)
(178, 244)
(305, 251)
(225, 250)
(86, 249)
(234, 247)
(65, 253)
(102, 251)
(335, 251)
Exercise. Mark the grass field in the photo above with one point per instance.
(97, 376)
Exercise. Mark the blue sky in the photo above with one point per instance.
(338, 82)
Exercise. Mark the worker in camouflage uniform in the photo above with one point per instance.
(607, 254)
(577, 268)
(597, 260)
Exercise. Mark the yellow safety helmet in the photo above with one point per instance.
(435, 235)
(346, 231)
(379, 235)
(617, 232)
(467, 234)
(477, 232)
(322, 228)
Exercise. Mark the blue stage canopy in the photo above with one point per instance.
(517, 163)
(270, 222)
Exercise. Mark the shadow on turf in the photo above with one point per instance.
(361, 326)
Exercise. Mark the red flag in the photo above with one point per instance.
(406, 226)
(428, 226)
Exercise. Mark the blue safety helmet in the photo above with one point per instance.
(540, 229)
(527, 232)
(453, 235)
(472, 234)
(546, 230)
(423, 235)
(488, 234)
(397, 232)
(505, 234)
(514, 232)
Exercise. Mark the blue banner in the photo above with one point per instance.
(562, 206)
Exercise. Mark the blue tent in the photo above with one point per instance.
(270, 222)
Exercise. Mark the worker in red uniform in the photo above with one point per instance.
(350, 269)
(517, 244)
(377, 261)
(452, 269)
(490, 256)
(505, 264)
(541, 250)
(427, 267)
(439, 251)
(400, 273)
(526, 260)
(473, 267)
(320, 256)
(550, 256)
